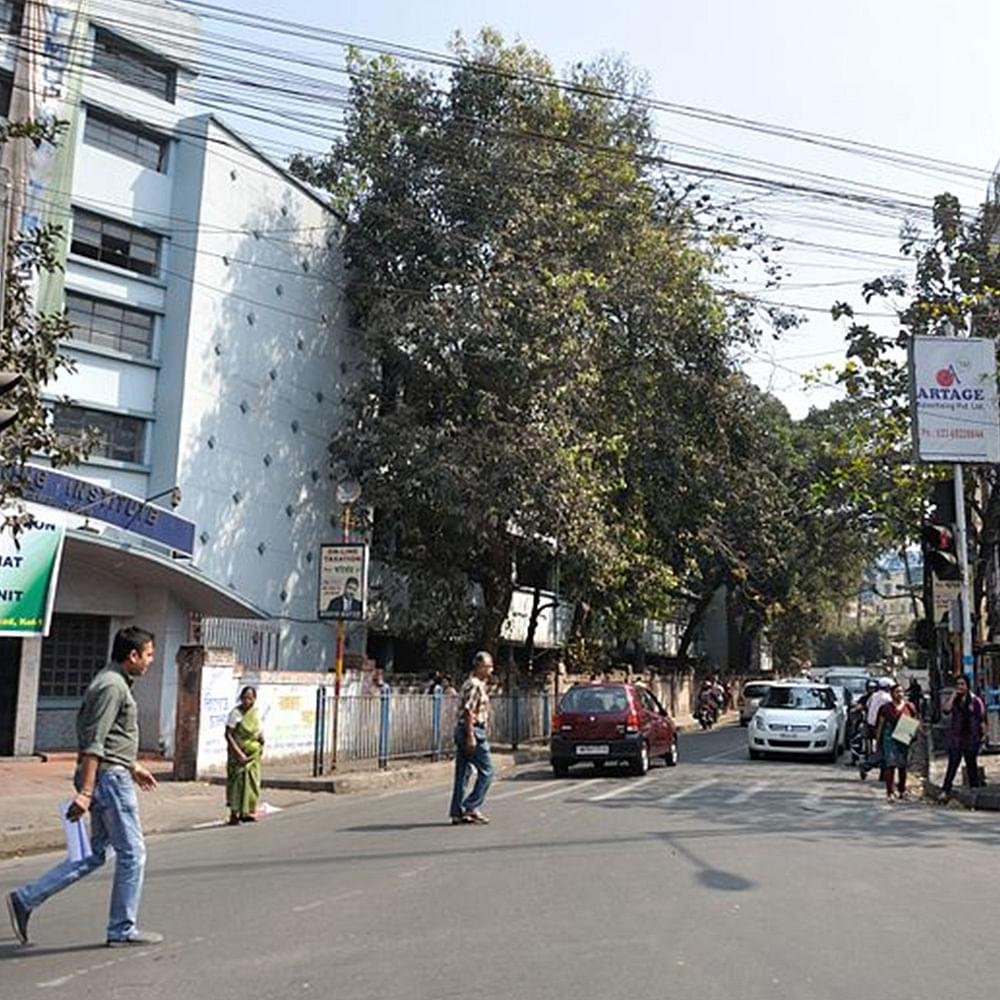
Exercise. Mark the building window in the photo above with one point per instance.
(108, 324)
(123, 139)
(6, 91)
(118, 437)
(132, 65)
(11, 16)
(75, 649)
(115, 243)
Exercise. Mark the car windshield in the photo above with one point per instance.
(815, 699)
(856, 685)
(595, 699)
(755, 690)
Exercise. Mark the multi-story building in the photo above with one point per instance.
(203, 285)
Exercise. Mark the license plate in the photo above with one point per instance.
(597, 750)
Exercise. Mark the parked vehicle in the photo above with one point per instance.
(750, 698)
(799, 718)
(599, 723)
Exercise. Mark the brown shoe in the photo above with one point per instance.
(476, 817)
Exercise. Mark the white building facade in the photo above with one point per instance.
(204, 287)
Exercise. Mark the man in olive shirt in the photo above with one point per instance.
(106, 775)
(472, 748)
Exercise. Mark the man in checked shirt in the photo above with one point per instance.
(471, 745)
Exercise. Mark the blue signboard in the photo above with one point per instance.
(81, 496)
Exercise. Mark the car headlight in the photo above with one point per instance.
(758, 722)
(821, 727)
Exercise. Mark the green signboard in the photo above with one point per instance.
(29, 570)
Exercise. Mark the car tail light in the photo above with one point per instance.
(559, 724)
(632, 722)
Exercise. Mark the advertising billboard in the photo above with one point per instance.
(343, 581)
(953, 399)
(29, 571)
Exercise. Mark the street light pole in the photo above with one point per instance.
(347, 495)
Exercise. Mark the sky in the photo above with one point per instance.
(916, 77)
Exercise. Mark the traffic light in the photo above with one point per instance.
(939, 551)
(8, 380)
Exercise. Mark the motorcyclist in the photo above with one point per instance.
(708, 701)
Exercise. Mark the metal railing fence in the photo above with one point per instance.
(394, 724)
(255, 643)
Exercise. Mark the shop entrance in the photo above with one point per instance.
(10, 674)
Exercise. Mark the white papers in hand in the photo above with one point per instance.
(77, 838)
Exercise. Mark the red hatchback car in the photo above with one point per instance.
(597, 723)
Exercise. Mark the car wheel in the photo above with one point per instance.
(559, 769)
(744, 722)
(755, 754)
(672, 755)
(640, 765)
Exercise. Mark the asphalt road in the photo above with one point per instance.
(721, 877)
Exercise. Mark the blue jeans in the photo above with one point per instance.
(480, 760)
(114, 821)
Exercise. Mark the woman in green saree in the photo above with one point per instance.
(244, 744)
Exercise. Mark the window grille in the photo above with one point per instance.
(107, 324)
(76, 647)
(134, 66)
(119, 437)
(126, 140)
(116, 243)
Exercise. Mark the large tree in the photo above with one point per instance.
(534, 299)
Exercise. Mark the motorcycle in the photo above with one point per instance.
(707, 713)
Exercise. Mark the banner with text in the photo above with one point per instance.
(953, 399)
(29, 572)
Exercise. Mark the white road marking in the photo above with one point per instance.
(529, 787)
(690, 790)
(629, 786)
(323, 902)
(739, 751)
(560, 789)
(747, 793)
(413, 873)
(813, 802)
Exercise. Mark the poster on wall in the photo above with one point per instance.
(29, 572)
(953, 399)
(343, 581)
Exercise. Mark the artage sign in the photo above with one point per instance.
(953, 399)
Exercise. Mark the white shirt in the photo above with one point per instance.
(875, 702)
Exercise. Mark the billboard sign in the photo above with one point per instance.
(343, 581)
(29, 571)
(953, 399)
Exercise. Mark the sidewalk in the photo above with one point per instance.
(32, 790)
(984, 799)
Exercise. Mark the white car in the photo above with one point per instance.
(798, 717)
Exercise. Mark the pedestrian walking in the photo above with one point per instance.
(106, 775)
(966, 734)
(880, 697)
(244, 749)
(895, 751)
(472, 747)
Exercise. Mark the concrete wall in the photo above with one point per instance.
(250, 406)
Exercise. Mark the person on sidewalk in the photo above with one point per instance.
(878, 699)
(965, 737)
(471, 745)
(106, 775)
(244, 748)
(895, 754)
